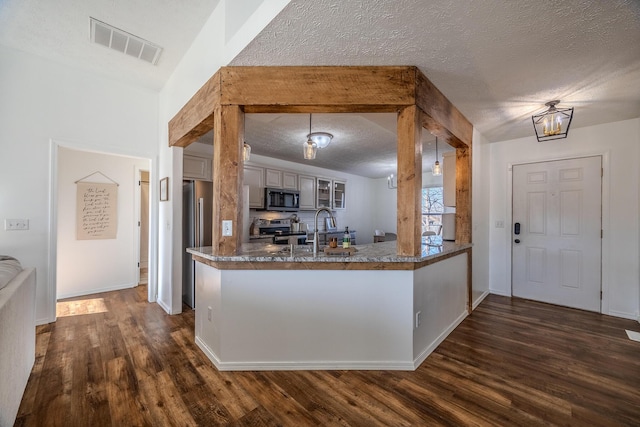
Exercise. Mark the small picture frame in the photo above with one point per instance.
(164, 189)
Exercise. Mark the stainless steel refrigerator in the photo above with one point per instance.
(197, 213)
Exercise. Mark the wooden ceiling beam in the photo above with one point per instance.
(442, 117)
(306, 109)
(197, 116)
(313, 86)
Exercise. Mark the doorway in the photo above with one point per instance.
(556, 234)
(143, 223)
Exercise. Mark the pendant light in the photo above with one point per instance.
(437, 169)
(246, 152)
(310, 147)
(246, 148)
(552, 123)
(322, 139)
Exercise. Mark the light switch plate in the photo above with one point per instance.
(16, 224)
(227, 227)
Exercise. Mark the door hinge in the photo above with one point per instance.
(601, 234)
(600, 294)
(139, 267)
(138, 183)
(138, 223)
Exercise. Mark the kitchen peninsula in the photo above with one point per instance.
(267, 309)
(385, 307)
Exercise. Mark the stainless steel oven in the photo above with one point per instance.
(280, 231)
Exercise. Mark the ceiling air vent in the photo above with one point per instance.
(117, 39)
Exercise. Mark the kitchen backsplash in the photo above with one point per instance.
(306, 217)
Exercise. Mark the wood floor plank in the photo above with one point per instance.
(281, 406)
(118, 360)
(238, 401)
(122, 391)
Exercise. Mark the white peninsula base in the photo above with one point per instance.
(328, 319)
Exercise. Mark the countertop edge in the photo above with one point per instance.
(324, 262)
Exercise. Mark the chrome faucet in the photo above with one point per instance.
(316, 244)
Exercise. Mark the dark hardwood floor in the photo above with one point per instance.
(512, 363)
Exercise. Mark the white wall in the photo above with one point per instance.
(206, 55)
(43, 100)
(385, 207)
(82, 268)
(619, 143)
(480, 211)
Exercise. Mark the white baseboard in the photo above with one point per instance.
(96, 291)
(504, 294)
(431, 347)
(624, 315)
(303, 366)
(164, 306)
(477, 302)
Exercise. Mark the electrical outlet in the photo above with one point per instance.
(16, 224)
(418, 318)
(500, 224)
(227, 227)
(209, 313)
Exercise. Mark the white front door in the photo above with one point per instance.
(557, 249)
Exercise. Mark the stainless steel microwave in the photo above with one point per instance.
(277, 199)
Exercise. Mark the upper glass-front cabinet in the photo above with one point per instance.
(323, 192)
(339, 195)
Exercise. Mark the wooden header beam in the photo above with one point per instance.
(196, 117)
(319, 89)
(233, 91)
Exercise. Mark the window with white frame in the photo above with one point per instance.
(432, 209)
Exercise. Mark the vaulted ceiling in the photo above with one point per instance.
(497, 61)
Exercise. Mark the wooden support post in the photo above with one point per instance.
(409, 181)
(227, 177)
(463, 195)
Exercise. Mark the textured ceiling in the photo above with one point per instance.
(363, 144)
(59, 30)
(498, 61)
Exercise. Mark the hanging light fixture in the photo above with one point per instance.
(322, 139)
(246, 148)
(246, 152)
(552, 123)
(437, 169)
(310, 147)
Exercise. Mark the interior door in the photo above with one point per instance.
(556, 234)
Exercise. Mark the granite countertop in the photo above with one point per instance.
(383, 252)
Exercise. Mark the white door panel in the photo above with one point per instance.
(557, 255)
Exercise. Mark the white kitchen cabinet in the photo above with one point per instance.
(272, 178)
(254, 178)
(307, 192)
(324, 191)
(289, 180)
(449, 178)
(339, 194)
(276, 178)
(197, 167)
